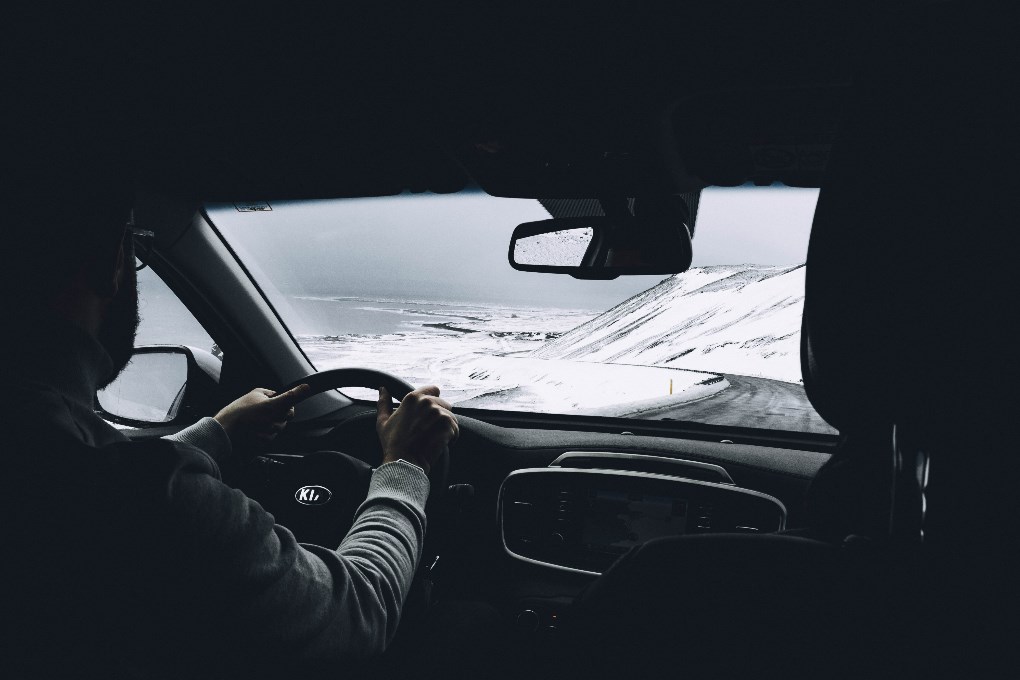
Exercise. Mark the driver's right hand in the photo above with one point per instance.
(418, 430)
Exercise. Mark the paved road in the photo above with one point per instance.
(751, 402)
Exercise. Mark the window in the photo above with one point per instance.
(164, 318)
(150, 387)
(419, 286)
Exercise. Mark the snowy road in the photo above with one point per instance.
(753, 402)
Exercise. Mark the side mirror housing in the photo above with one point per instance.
(163, 385)
(601, 247)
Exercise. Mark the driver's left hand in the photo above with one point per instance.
(262, 413)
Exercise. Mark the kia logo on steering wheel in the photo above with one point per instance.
(313, 495)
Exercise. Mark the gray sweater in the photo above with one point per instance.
(196, 564)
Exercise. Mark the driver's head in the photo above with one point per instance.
(67, 254)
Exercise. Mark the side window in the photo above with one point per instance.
(164, 318)
(150, 389)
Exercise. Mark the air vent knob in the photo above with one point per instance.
(527, 621)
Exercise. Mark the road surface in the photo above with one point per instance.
(750, 402)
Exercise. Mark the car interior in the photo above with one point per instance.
(880, 548)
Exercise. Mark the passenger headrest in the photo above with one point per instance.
(909, 305)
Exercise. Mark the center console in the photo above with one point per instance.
(582, 520)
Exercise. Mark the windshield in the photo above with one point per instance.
(419, 286)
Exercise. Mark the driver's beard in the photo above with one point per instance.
(117, 333)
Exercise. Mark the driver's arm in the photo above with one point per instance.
(208, 435)
(260, 414)
(263, 594)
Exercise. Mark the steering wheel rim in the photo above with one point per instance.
(371, 378)
(336, 378)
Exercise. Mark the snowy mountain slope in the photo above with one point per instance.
(742, 319)
(480, 356)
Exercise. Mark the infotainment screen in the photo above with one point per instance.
(616, 521)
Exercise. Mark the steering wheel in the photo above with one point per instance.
(317, 495)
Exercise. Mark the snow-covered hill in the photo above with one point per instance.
(742, 319)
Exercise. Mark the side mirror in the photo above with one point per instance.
(600, 247)
(162, 385)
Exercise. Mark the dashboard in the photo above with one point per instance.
(534, 515)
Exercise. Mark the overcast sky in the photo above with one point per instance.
(454, 247)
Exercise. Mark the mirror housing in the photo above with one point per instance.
(601, 247)
(162, 385)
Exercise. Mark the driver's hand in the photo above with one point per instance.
(419, 429)
(261, 413)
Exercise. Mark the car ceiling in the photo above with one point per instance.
(522, 100)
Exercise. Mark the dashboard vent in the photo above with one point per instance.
(636, 462)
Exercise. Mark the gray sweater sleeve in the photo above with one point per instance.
(208, 435)
(377, 561)
(270, 592)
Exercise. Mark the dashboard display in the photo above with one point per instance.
(616, 521)
(584, 520)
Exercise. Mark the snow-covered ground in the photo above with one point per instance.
(742, 319)
(663, 347)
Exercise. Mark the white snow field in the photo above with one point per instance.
(481, 357)
(663, 347)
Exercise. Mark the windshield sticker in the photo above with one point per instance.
(253, 206)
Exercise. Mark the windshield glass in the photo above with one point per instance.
(419, 286)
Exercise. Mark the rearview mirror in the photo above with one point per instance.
(161, 385)
(600, 247)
